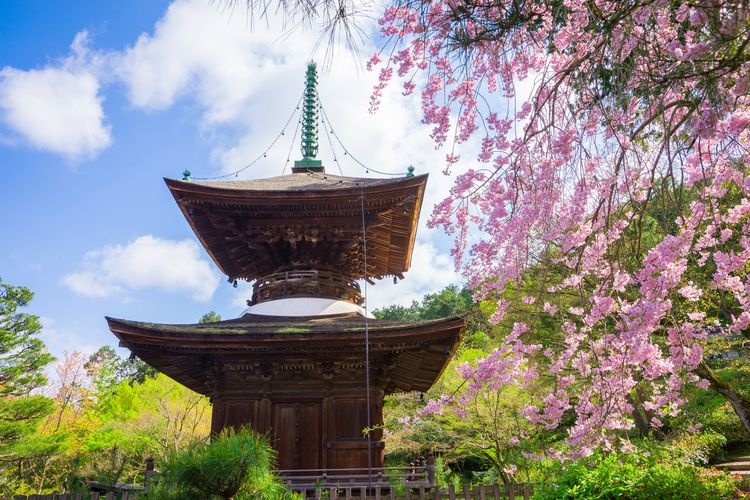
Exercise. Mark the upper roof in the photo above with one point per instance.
(254, 228)
(307, 181)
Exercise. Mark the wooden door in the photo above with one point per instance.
(297, 435)
(236, 413)
(347, 444)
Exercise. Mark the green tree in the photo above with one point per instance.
(210, 317)
(235, 464)
(107, 369)
(450, 301)
(23, 355)
(23, 358)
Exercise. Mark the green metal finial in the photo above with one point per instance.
(310, 114)
(309, 124)
(410, 171)
(186, 175)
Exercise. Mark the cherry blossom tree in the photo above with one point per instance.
(606, 138)
(566, 122)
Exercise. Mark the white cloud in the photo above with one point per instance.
(241, 295)
(247, 81)
(59, 339)
(57, 108)
(90, 283)
(431, 271)
(209, 53)
(146, 262)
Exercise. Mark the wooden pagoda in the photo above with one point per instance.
(297, 364)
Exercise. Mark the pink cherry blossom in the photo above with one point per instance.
(558, 156)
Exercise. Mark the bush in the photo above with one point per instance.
(235, 464)
(713, 410)
(637, 476)
(700, 448)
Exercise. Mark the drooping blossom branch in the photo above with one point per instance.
(636, 111)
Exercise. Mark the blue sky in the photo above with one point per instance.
(101, 100)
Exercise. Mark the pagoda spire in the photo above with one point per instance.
(309, 162)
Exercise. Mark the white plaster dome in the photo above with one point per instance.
(305, 306)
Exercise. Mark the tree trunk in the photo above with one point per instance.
(640, 422)
(740, 403)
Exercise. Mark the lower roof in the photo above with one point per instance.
(415, 352)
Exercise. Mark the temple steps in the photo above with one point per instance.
(737, 465)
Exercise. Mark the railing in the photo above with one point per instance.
(389, 483)
(110, 495)
(393, 483)
(467, 492)
(306, 283)
(484, 492)
(316, 479)
(390, 492)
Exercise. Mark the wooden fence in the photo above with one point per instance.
(80, 496)
(414, 476)
(484, 492)
(416, 482)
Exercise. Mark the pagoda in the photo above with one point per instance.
(305, 363)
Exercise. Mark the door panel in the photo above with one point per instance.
(297, 435)
(347, 446)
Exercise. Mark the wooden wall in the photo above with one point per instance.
(326, 433)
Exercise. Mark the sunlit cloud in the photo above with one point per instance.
(146, 262)
(57, 108)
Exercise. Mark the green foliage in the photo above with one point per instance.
(154, 418)
(20, 416)
(210, 317)
(450, 301)
(235, 464)
(642, 475)
(23, 358)
(475, 446)
(108, 369)
(699, 448)
(22, 355)
(106, 470)
(713, 411)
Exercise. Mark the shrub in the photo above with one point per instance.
(638, 475)
(700, 448)
(234, 465)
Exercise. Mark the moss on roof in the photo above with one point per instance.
(264, 325)
(308, 181)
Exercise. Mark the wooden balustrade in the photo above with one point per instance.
(388, 492)
(306, 283)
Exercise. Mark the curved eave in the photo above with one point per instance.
(186, 193)
(246, 335)
(353, 188)
(421, 351)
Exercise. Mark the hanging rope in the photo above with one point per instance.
(330, 131)
(329, 126)
(291, 145)
(367, 342)
(330, 142)
(262, 155)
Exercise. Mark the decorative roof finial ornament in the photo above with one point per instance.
(309, 163)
